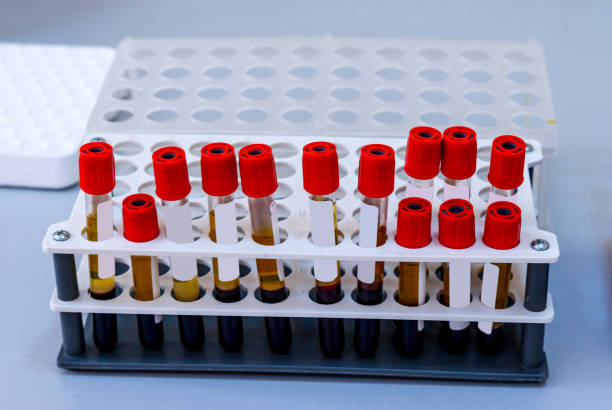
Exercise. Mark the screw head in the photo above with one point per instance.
(540, 245)
(61, 235)
(529, 148)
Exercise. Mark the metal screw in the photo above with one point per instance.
(61, 235)
(540, 245)
(529, 148)
(97, 139)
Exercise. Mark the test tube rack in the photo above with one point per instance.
(136, 117)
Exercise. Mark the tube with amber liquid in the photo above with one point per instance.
(321, 180)
(258, 176)
(140, 225)
(220, 181)
(97, 180)
(375, 183)
(172, 187)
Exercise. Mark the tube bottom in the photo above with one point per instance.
(489, 344)
(150, 333)
(331, 336)
(105, 331)
(366, 337)
(408, 340)
(191, 329)
(278, 329)
(454, 341)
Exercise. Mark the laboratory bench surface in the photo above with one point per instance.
(575, 37)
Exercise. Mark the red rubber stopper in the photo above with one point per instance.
(320, 168)
(459, 149)
(423, 153)
(376, 171)
(218, 165)
(96, 168)
(171, 175)
(413, 223)
(502, 225)
(507, 162)
(456, 224)
(257, 170)
(139, 218)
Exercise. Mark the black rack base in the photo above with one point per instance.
(305, 357)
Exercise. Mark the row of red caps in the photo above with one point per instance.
(428, 152)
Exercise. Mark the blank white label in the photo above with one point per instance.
(178, 229)
(419, 192)
(453, 191)
(226, 230)
(459, 290)
(322, 231)
(106, 262)
(488, 293)
(276, 236)
(368, 231)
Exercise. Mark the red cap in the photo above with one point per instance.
(376, 171)
(171, 175)
(96, 168)
(413, 223)
(459, 148)
(218, 165)
(507, 162)
(423, 153)
(257, 170)
(140, 218)
(456, 224)
(502, 225)
(320, 168)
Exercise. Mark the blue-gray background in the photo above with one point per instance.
(576, 37)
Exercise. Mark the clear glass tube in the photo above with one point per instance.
(101, 288)
(460, 184)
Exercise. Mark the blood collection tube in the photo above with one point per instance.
(506, 168)
(375, 183)
(459, 149)
(321, 180)
(97, 180)
(258, 176)
(140, 225)
(172, 187)
(456, 230)
(413, 231)
(422, 162)
(219, 181)
(502, 231)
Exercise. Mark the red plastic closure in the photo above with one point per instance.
(376, 171)
(507, 162)
(413, 223)
(140, 218)
(96, 168)
(320, 168)
(459, 149)
(423, 153)
(171, 175)
(218, 165)
(257, 170)
(502, 225)
(456, 224)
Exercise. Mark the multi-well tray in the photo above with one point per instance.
(133, 164)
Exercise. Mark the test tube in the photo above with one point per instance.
(97, 181)
(456, 231)
(413, 231)
(375, 183)
(458, 164)
(422, 163)
(219, 181)
(502, 231)
(258, 176)
(140, 225)
(506, 168)
(172, 187)
(321, 180)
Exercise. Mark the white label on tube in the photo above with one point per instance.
(454, 191)
(106, 263)
(226, 230)
(422, 274)
(178, 229)
(276, 235)
(322, 230)
(368, 231)
(488, 293)
(419, 192)
(459, 290)
(493, 197)
(155, 283)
